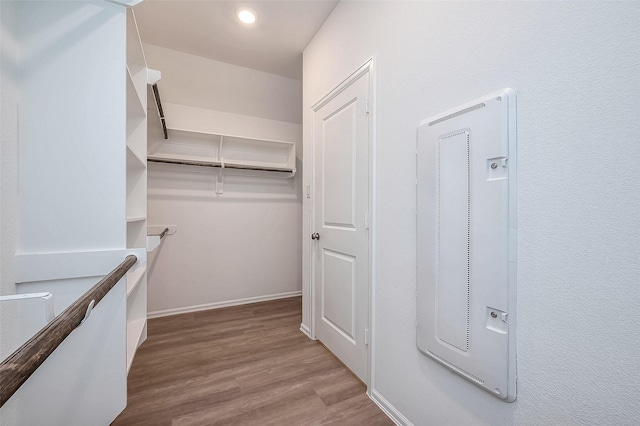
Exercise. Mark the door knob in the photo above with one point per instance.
(315, 236)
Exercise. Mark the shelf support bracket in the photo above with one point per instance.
(220, 181)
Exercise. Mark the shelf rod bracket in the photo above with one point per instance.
(220, 181)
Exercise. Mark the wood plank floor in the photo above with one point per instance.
(244, 365)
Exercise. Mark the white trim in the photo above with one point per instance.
(373, 229)
(347, 82)
(391, 411)
(306, 331)
(223, 304)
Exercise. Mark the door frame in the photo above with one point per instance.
(367, 67)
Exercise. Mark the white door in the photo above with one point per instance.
(340, 225)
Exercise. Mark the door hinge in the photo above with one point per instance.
(366, 336)
(366, 221)
(366, 106)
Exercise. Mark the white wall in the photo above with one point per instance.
(576, 69)
(9, 57)
(9, 50)
(72, 177)
(244, 244)
(201, 82)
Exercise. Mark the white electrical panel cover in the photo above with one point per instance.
(466, 241)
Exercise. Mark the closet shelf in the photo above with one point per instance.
(222, 151)
(135, 329)
(135, 105)
(256, 165)
(184, 159)
(134, 277)
(137, 218)
(134, 160)
(219, 164)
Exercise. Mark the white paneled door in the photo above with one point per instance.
(340, 236)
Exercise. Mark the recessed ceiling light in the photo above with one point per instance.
(246, 15)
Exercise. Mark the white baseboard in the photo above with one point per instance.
(389, 409)
(223, 304)
(306, 331)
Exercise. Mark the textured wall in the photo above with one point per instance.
(576, 69)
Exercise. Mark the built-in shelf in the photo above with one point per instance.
(136, 219)
(135, 105)
(184, 159)
(134, 277)
(135, 331)
(136, 207)
(225, 152)
(257, 165)
(136, 193)
(134, 160)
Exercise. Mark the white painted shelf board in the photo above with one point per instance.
(137, 161)
(197, 148)
(135, 106)
(177, 158)
(134, 277)
(258, 164)
(178, 129)
(134, 332)
(191, 136)
(204, 161)
(136, 215)
(136, 218)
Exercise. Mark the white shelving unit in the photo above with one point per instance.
(134, 277)
(136, 186)
(99, 215)
(225, 152)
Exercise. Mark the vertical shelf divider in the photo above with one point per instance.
(136, 186)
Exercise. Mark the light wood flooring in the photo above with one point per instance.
(244, 365)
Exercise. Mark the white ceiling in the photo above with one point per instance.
(273, 44)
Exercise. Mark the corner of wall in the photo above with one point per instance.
(388, 408)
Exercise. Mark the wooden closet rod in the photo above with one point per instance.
(161, 235)
(20, 365)
(209, 164)
(164, 232)
(156, 95)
